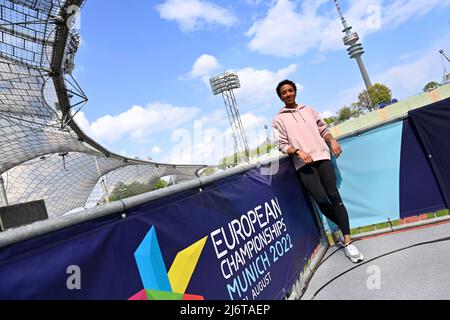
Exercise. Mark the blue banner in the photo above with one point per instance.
(385, 174)
(368, 172)
(419, 191)
(247, 236)
(432, 125)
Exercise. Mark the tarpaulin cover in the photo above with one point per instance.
(369, 170)
(385, 174)
(433, 126)
(419, 191)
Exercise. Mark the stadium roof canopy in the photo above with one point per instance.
(45, 155)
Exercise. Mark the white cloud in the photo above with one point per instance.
(346, 97)
(137, 122)
(124, 153)
(409, 78)
(204, 142)
(258, 86)
(156, 150)
(318, 59)
(201, 153)
(254, 129)
(251, 121)
(82, 122)
(274, 36)
(215, 119)
(192, 15)
(204, 66)
(400, 11)
(327, 114)
(203, 145)
(208, 143)
(315, 26)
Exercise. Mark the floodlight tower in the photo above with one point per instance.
(446, 75)
(224, 84)
(267, 134)
(355, 50)
(444, 55)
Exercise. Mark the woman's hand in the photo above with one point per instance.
(335, 148)
(306, 157)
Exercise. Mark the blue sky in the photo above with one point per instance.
(145, 65)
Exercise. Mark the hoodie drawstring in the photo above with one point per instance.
(292, 112)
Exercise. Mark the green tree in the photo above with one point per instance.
(330, 120)
(357, 110)
(364, 101)
(122, 190)
(235, 158)
(208, 171)
(229, 161)
(346, 113)
(160, 184)
(430, 86)
(379, 93)
(261, 149)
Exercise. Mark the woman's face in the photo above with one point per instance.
(288, 94)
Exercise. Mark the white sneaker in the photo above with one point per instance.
(352, 252)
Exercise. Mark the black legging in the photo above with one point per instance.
(320, 180)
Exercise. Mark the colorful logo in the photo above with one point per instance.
(158, 283)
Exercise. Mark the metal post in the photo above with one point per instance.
(230, 118)
(237, 123)
(102, 181)
(444, 55)
(3, 196)
(445, 75)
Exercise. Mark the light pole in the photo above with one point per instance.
(267, 138)
(444, 55)
(224, 84)
(446, 75)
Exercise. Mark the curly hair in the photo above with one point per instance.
(282, 83)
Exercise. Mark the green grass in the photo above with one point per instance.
(385, 225)
(330, 239)
(442, 213)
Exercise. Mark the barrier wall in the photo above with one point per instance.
(391, 112)
(399, 169)
(432, 124)
(246, 236)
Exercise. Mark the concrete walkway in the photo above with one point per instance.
(421, 272)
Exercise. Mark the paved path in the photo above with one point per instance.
(421, 272)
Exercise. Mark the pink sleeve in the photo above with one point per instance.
(323, 127)
(280, 137)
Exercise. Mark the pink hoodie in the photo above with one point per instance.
(301, 128)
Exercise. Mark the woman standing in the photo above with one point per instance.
(304, 135)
